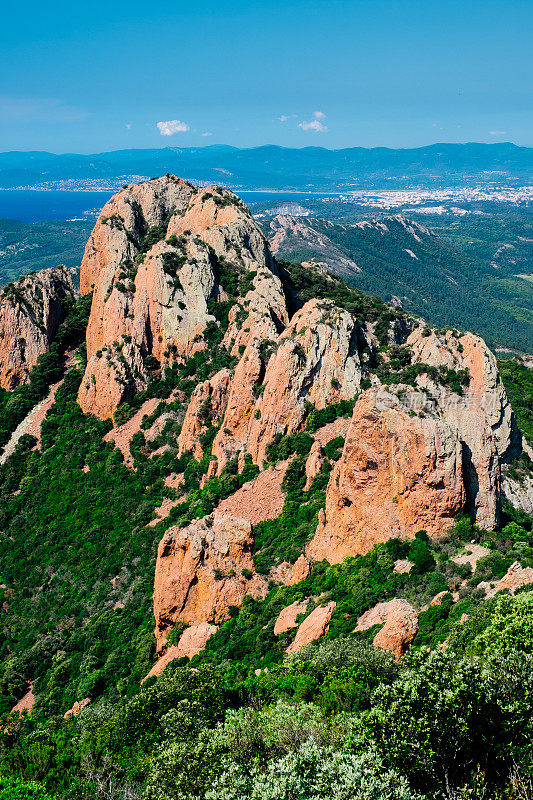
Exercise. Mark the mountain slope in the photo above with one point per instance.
(400, 259)
(29, 247)
(255, 457)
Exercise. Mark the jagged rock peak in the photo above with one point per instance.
(156, 260)
(416, 456)
(31, 310)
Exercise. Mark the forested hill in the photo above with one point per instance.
(446, 281)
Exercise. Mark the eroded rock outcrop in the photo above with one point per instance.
(287, 617)
(316, 361)
(515, 577)
(399, 629)
(31, 310)
(414, 457)
(78, 706)
(25, 703)
(399, 473)
(519, 491)
(202, 570)
(192, 641)
(484, 396)
(260, 498)
(153, 262)
(313, 627)
(289, 574)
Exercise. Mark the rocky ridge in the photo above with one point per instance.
(183, 278)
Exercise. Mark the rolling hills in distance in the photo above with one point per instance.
(307, 168)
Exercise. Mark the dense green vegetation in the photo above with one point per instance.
(337, 720)
(451, 279)
(332, 712)
(26, 247)
(518, 382)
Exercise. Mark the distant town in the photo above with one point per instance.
(429, 201)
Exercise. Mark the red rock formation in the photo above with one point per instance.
(398, 474)
(515, 577)
(199, 572)
(287, 617)
(151, 298)
(77, 707)
(313, 627)
(399, 630)
(192, 641)
(317, 361)
(259, 499)
(414, 459)
(314, 360)
(485, 395)
(31, 310)
(25, 703)
(289, 574)
(207, 406)
(314, 463)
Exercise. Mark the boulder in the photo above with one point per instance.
(199, 572)
(287, 617)
(515, 577)
(400, 625)
(313, 627)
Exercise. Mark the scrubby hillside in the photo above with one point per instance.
(453, 280)
(301, 488)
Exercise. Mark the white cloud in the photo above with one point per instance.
(128, 125)
(314, 125)
(497, 133)
(286, 117)
(207, 133)
(172, 126)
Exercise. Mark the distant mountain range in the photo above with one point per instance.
(272, 167)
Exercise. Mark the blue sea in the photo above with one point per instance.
(36, 206)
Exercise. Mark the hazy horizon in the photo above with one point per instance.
(215, 145)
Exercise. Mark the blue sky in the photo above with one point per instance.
(89, 77)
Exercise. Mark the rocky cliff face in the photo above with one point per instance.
(153, 261)
(202, 570)
(31, 310)
(415, 457)
(179, 271)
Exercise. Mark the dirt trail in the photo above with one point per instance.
(31, 424)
